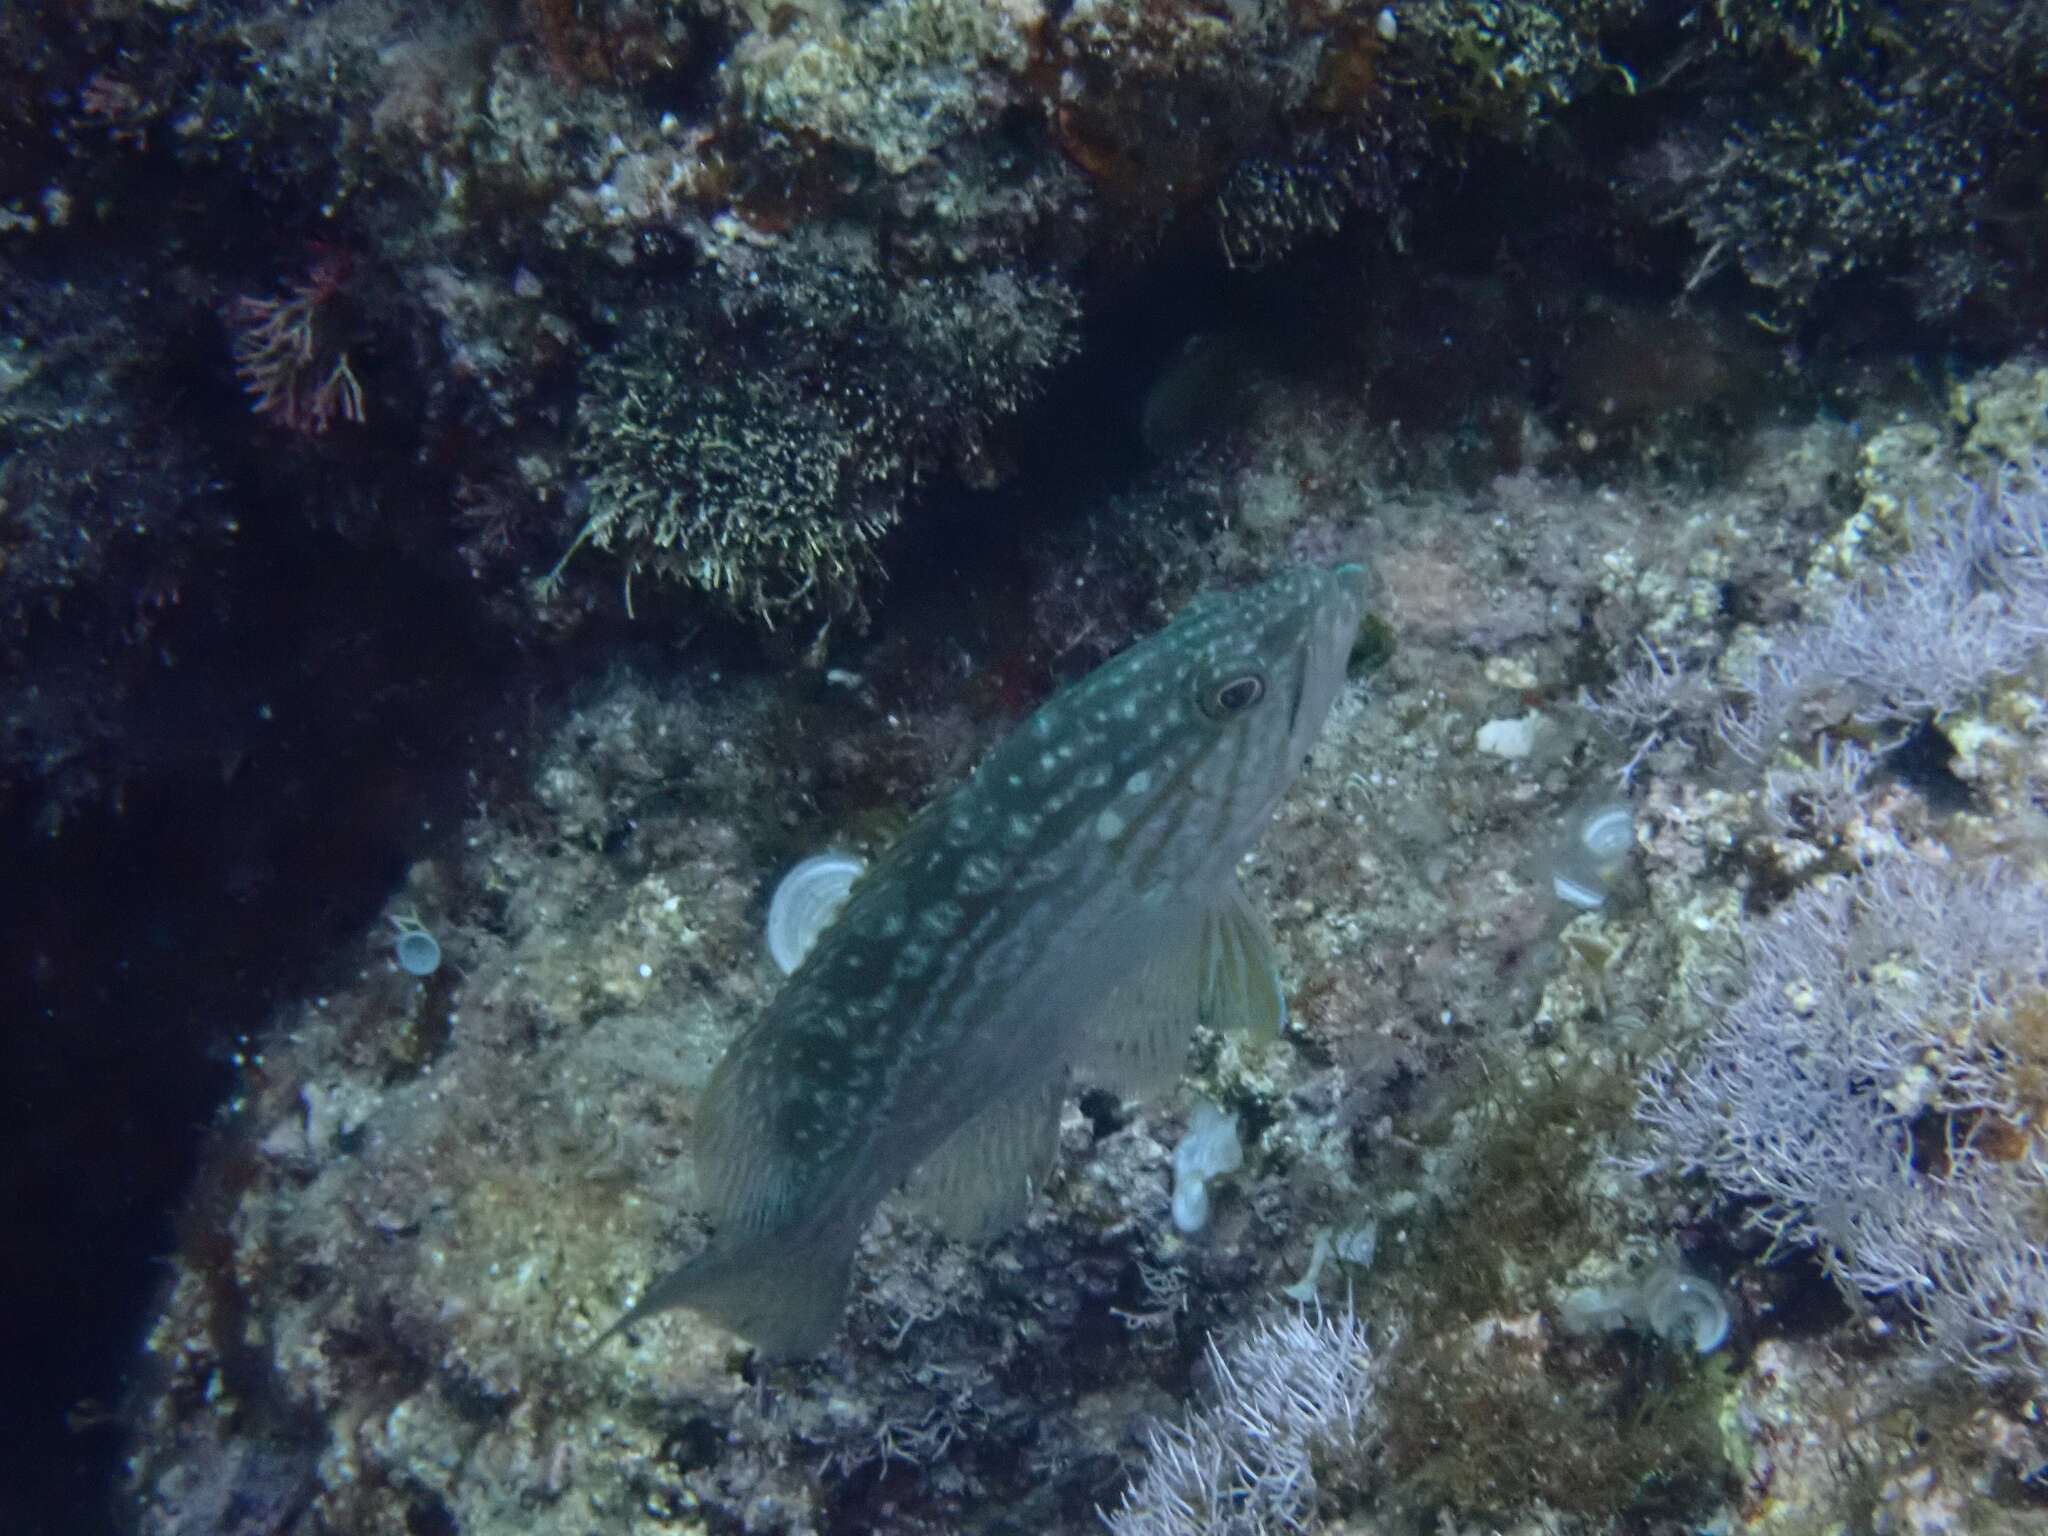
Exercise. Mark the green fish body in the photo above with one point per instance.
(1070, 911)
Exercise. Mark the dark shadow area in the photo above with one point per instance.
(147, 943)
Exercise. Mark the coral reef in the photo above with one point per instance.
(860, 373)
(448, 1182)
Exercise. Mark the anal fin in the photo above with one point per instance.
(980, 1181)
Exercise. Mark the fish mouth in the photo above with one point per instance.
(1319, 674)
(1354, 587)
(1345, 612)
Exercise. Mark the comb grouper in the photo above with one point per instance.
(1072, 910)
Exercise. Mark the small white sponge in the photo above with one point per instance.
(1209, 1148)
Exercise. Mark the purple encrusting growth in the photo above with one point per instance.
(1072, 907)
(1966, 602)
(1875, 1088)
(1290, 1395)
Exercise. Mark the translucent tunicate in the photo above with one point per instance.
(417, 951)
(1357, 1245)
(806, 902)
(1596, 840)
(1675, 1304)
(1684, 1308)
(1595, 1309)
(1304, 1289)
(1607, 832)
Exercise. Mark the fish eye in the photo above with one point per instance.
(1233, 695)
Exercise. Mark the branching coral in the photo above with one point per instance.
(287, 362)
(1966, 603)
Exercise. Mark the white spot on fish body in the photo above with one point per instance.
(979, 875)
(1138, 782)
(1021, 828)
(1109, 826)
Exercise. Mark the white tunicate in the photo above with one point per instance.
(1209, 1148)
(1387, 25)
(1512, 739)
(806, 902)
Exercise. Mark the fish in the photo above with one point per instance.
(1068, 914)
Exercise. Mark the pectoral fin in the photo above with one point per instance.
(1221, 971)
(1240, 970)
